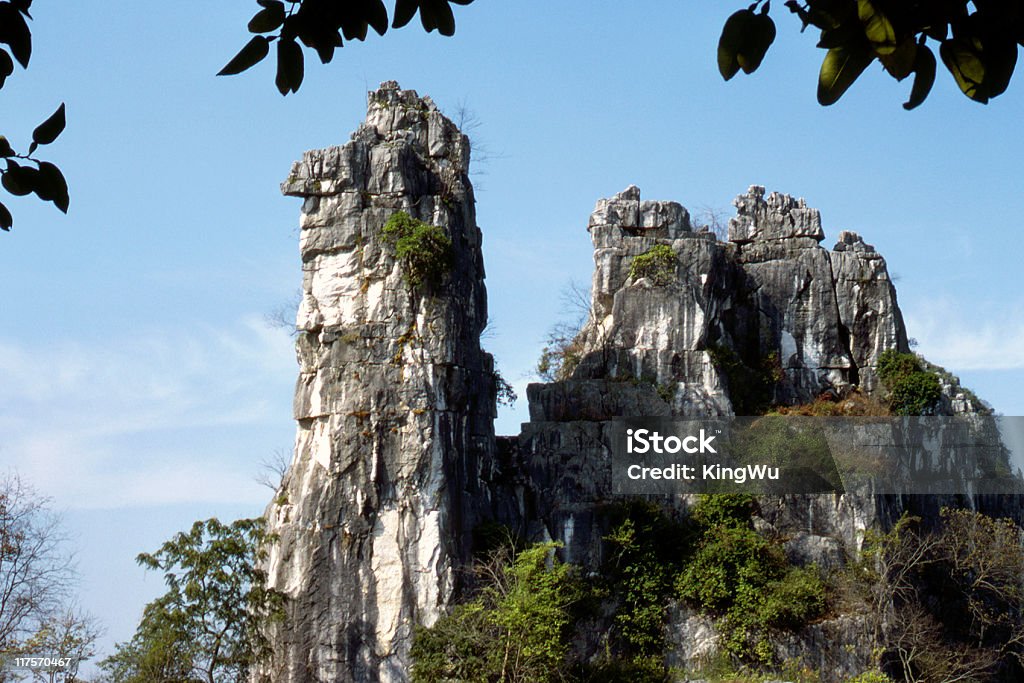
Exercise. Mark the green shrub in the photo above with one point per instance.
(424, 250)
(746, 581)
(645, 556)
(892, 365)
(457, 647)
(724, 509)
(731, 566)
(637, 669)
(658, 264)
(515, 630)
(795, 599)
(873, 676)
(913, 390)
(915, 394)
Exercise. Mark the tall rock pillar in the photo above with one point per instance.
(394, 402)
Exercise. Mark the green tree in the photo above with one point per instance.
(208, 626)
(514, 631)
(977, 42)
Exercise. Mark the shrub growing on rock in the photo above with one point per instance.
(657, 264)
(424, 250)
(913, 390)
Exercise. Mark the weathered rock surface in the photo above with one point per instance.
(394, 402)
(396, 461)
(771, 293)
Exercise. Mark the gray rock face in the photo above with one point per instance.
(867, 305)
(775, 218)
(394, 402)
(395, 459)
(772, 294)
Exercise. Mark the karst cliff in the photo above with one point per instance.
(396, 461)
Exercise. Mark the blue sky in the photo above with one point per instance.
(140, 386)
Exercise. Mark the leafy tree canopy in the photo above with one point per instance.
(977, 42)
(208, 626)
(324, 26)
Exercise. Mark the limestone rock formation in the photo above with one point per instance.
(772, 295)
(394, 402)
(396, 461)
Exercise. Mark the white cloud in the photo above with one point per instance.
(154, 417)
(970, 337)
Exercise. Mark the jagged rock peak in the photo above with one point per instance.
(851, 241)
(780, 216)
(626, 211)
(394, 402)
(398, 122)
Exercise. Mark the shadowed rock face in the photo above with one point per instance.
(394, 402)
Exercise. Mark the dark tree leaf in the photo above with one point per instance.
(6, 219)
(745, 39)
(443, 18)
(22, 6)
(405, 10)
(376, 15)
(877, 27)
(840, 69)
(1000, 57)
(19, 180)
(843, 34)
(900, 63)
(268, 19)
(289, 66)
(5, 147)
(731, 42)
(253, 52)
(966, 66)
(924, 77)
(6, 66)
(15, 32)
(50, 129)
(355, 30)
(762, 35)
(52, 186)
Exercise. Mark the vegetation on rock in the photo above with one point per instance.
(746, 581)
(657, 264)
(515, 629)
(424, 250)
(913, 390)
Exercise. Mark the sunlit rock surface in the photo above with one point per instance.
(396, 462)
